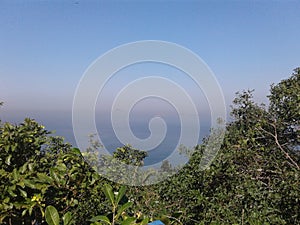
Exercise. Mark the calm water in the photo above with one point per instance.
(62, 125)
(111, 142)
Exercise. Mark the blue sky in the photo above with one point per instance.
(45, 46)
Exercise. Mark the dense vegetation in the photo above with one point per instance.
(253, 180)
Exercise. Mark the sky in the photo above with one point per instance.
(46, 47)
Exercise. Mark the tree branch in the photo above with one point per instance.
(275, 136)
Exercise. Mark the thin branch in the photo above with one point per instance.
(286, 154)
(171, 217)
(275, 136)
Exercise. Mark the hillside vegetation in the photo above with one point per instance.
(254, 179)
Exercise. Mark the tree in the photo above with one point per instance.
(255, 176)
(253, 180)
(37, 170)
(285, 109)
(130, 156)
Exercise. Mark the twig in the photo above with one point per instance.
(275, 136)
(170, 217)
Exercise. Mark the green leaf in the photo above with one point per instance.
(6, 200)
(44, 178)
(23, 168)
(123, 208)
(24, 212)
(67, 218)
(76, 151)
(23, 193)
(30, 167)
(120, 195)
(30, 209)
(54, 176)
(16, 175)
(7, 160)
(128, 221)
(100, 218)
(30, 184)
(11, 193)
(109, 193)
(51, 215)
(145, 221)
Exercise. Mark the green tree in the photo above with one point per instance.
(253, 180)
(130, 156)
(285, 110)
(37, 170)
(255, 177)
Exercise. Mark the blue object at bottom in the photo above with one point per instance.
(156, 222)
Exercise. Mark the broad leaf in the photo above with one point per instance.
(100, 218)
(67, 218)
(120, 195)
(109, 193)
(123, 208)
(128, 221)
(51, 215)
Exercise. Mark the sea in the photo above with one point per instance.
(61, 125)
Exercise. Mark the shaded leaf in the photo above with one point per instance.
(120, 195)
(109, 193)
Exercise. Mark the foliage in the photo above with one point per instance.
(118, 213)
(284, 98)
(19, 145)
(130, 156)
(52, 217)
(123, 167)
(285, 109)
(253, 180)
(255, 177)
(37, 170)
